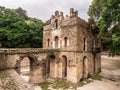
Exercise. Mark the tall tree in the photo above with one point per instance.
(21, 12)
(17, 32)
(106, 14)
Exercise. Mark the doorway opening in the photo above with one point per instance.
(50, 66)
(85, 71)
(64, 66)
(25, 66)
(94, 64)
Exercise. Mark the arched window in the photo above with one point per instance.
(84, 44)
(65, 41)
(56, 23)
(56, 42)
(48, 42)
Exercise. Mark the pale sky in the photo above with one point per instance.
(43, 9)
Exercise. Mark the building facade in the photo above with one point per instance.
(79, 55)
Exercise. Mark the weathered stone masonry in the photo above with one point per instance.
(78, 44)
(71, 50)
(11, 59)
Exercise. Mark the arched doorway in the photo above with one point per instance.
(25, 65)
(85, 67)
(64, 66)
(51, 66)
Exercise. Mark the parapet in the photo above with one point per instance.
(59, 20)
(73, 13)
(60, 15)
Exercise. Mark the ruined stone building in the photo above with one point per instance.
(71, 51)
(79, 55)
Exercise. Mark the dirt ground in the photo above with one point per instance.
(111, 68)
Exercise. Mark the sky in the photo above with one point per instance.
(43, 9)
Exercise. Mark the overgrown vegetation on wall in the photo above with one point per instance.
(17, 30)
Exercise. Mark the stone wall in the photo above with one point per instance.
(12, 58)
(2, 61)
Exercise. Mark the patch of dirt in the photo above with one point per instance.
(110, 64)
(100, 85)
(111, 68)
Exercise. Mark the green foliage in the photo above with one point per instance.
(91, 21)
(22, 13)
(106, 13)
(16, 32)
(95, 9)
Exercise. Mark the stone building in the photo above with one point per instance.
(79, 55)
(71, 51)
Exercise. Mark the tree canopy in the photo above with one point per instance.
(17, 30)
(106, 14)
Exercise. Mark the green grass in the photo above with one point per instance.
(44, 85)
(97, 77)
(80, 84)
(4, 74)
(84, 82)
(60, 83)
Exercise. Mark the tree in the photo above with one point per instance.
(106, 14)
(21, 12)
(16, 32)
(37, 26)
